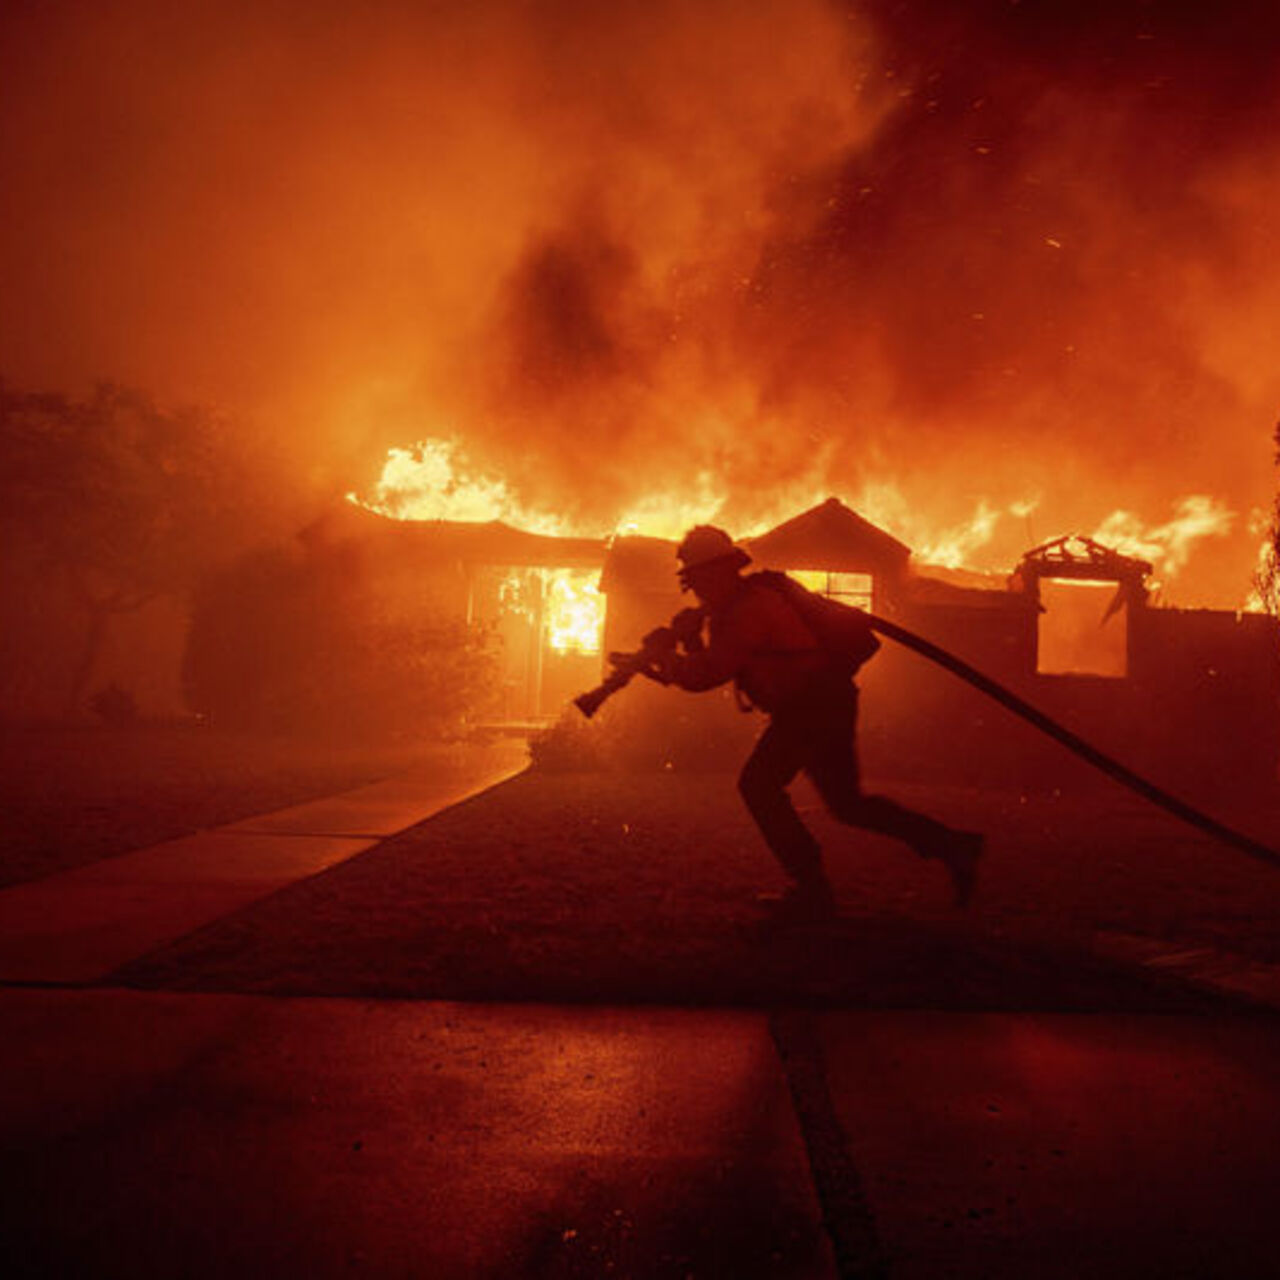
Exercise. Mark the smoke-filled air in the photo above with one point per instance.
(989, 272)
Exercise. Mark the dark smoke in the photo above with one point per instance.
(977, 249)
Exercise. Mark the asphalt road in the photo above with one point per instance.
(911, 1094)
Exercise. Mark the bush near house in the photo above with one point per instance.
(283, 642)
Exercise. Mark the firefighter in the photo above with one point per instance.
(759, 640)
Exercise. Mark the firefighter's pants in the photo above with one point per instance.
(817, 736)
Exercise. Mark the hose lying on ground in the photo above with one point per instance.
(1100, 760)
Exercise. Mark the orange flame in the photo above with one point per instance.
(1168, 546)
(565, 604)
(433, 481)
(574, 612)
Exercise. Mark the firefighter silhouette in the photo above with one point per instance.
(757, 637)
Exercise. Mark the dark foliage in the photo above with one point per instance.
(286, 641)
(108, 502)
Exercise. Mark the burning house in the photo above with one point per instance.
(1190, 696)
(534, 594)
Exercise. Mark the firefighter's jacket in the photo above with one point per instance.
(758, 640)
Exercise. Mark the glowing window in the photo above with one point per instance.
(1082, 631)
(851, 588)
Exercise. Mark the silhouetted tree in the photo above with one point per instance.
(111, 501)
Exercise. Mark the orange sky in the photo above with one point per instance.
(965, 252)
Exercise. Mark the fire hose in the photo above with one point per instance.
(630, 665)
(1074, 743)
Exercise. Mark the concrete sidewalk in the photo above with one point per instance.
(78, 926)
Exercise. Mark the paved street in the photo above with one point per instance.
(230, 1136)
(163, 1132)
(152, 1135)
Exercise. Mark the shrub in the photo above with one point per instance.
(281, 642)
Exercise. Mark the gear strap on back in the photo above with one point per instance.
(842, 632)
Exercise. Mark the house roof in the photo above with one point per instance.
(1075, 556)
(830, 536)
(490, 542)
(927, 590)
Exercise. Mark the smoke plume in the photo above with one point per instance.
(992, 256)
